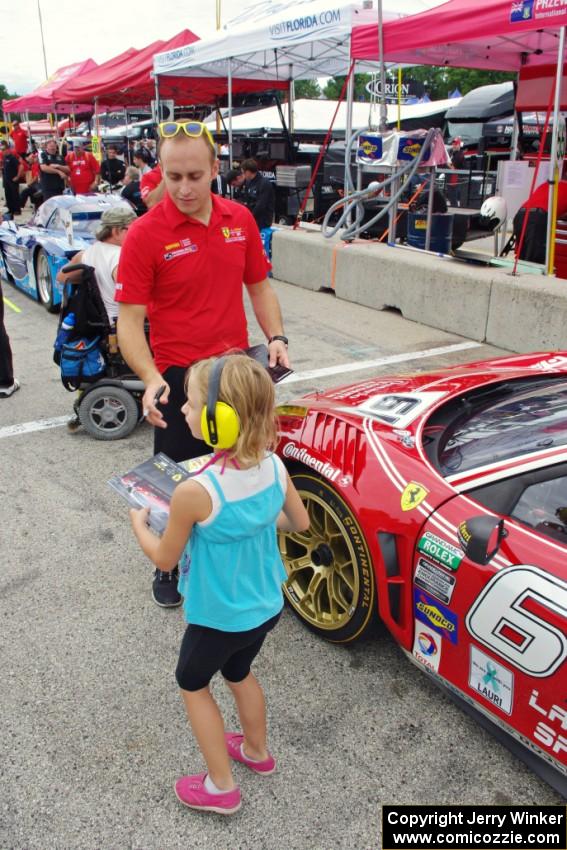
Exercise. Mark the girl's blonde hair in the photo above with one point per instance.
(246, 386)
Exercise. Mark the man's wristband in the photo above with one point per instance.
(279, 337)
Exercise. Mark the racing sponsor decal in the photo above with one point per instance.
(163, 60)
(410, 148)
(396, 409)
(463, 534)
(303, 456)
(233, 234)
(548, 735)
(491, 680)
(520, 615)
(440, 550)
(436, 581)
(177, 249)
(369, 148)
(427, 647)
(521, 10)
(323, 23)
(501, 722)
(413, 495)
(557, 362)
(533, 10)
(405, 437)
(431, 612)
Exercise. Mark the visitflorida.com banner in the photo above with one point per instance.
(474, 827)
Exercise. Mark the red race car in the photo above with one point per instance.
(439, 501)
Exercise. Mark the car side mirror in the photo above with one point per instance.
(480, 537)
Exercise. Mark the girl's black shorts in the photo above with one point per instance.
(205, 651)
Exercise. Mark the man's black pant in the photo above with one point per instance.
(177, 441)
(33, 192)
(12, 195)
(6, 366)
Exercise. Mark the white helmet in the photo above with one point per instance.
(494, 211)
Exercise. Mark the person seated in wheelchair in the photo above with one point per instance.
(103, 255)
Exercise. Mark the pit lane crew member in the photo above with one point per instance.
(103, 255)
(258, 194)
(131, 190)
(183, 265)
(84, 170)
(53, 171)
(19, 137)
(141, 160)
(12, 169)
(112, 169)
(152, 187)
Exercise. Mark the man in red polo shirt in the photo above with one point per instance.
(20, 138)
(183, 265)
(152, 187)
(84, 170)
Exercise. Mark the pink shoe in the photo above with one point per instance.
(191, 791)
(234, 743)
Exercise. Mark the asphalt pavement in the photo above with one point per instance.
(94, 733)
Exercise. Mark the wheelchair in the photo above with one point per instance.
(109, 402)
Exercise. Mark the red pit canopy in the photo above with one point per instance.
(534, 88)
(129, 82)
(44, 98)
(501, 35)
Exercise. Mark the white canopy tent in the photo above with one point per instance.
(316, 115)
(298, 39)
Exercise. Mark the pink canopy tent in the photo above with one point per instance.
(501, 35)
(44, 127)
(507, 35)
(128, 83)
(43, 98)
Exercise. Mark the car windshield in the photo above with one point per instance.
(468, 131)
(498, 422)
(89, 221)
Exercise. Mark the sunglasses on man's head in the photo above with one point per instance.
(193, 129)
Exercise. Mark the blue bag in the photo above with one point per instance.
(82, 361)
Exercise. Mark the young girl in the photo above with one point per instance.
(222, 529)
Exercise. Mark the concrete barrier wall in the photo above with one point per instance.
(528, 313)
(522, 313)
(302, 257)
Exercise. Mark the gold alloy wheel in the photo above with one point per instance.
(330, 583)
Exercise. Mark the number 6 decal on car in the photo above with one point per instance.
(521, 615)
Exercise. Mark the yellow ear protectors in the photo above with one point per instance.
(219, 421)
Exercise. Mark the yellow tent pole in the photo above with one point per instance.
(555, 190)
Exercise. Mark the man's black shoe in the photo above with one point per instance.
(164, 589)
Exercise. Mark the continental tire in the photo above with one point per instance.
(330, 583)
(44, 282)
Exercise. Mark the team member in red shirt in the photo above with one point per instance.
(20, 138)
(183, 265)
(85, 170)
(152, 187)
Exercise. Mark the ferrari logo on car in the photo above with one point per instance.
(413, 495)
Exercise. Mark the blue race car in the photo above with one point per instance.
(31, 254)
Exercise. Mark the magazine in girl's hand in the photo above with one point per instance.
(151, 485)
